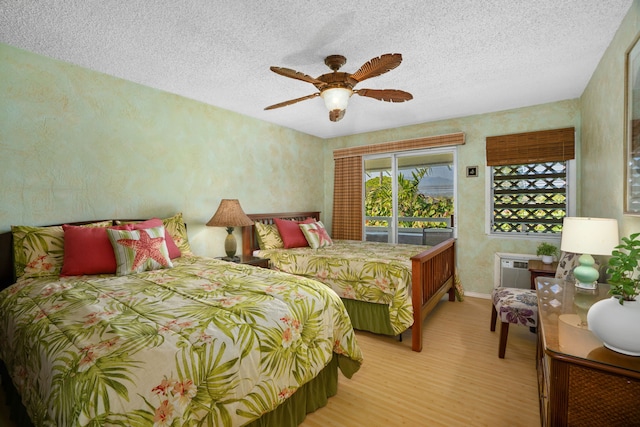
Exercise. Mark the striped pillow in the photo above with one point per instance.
(139, 250)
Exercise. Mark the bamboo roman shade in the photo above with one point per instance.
(404, 145)
(348, 180)
(347, 199)
(531, 147)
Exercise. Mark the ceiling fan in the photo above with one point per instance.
(336, 88)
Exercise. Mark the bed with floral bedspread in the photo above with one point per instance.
(206, 342)
(372, 272)
(386, 288)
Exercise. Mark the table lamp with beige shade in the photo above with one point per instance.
(588, 236)
(229, 215)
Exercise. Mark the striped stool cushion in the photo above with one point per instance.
(519, 306)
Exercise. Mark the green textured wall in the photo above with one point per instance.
(603, 137)
(475, 249)
(76, 145)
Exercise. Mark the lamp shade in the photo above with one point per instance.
(229, 214)
(594, 236)
(336, 98)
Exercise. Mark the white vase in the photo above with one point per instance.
(617, 326)
(547, 259)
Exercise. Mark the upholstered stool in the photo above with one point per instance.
(518, 306)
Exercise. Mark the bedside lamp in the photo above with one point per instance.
(229, 215)
(588, 236)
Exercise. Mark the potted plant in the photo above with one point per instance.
(615, 320)
(547, 250)
(622, 268)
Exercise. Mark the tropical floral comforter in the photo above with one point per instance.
(205, 342)
(365, 271)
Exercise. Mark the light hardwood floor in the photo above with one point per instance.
(457, 379)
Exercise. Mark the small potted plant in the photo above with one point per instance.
(615, 320)
(622, 268)
(547, 250)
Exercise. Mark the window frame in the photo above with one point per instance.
(394, 156)
(571, 197)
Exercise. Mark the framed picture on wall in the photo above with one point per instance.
(632, 129)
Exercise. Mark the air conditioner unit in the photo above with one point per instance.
(514, 271)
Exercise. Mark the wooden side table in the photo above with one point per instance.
(253, 260)
(537, 268)
(250, 260)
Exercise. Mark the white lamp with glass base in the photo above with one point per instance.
(588, 236)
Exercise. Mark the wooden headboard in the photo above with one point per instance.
(249, 236)
(7, 272)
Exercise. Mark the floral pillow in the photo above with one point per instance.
(316, 235)
(268, 236)
(139, 250)
(39, 251)
(178, 230)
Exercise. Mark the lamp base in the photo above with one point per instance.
(586, 276)
(588, 286)
(230, 244)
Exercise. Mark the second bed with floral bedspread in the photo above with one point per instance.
(372, 272)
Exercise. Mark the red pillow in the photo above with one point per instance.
(88, 250)
(174, 252)
(292, 236)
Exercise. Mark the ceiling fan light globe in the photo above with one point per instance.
(336, 98)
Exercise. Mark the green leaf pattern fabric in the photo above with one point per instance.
(177, 229)
(366, 271)
(268, 236)
(205, 343)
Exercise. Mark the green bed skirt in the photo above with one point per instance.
(311, 396)
(367, 316)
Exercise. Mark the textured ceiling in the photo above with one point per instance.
(460, 57)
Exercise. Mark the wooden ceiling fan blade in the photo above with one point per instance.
(377, 66)
(288, 72)
(389, 95)
(292, 101)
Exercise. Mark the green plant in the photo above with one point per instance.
(545, 248)
(623, 266)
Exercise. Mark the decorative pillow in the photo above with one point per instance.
(107, 223)
(88, 250)
(139, 250)
(174, 251)
(178, 231)
(290, 232)
(268, 236)
(39, 251)
(316, 235)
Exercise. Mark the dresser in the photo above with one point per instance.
(580, 382)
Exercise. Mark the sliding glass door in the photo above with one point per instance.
(409, 197)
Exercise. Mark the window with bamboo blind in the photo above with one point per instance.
(529, 184)
(348, 178)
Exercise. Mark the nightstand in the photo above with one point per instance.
(537, 268)
(250, 260)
